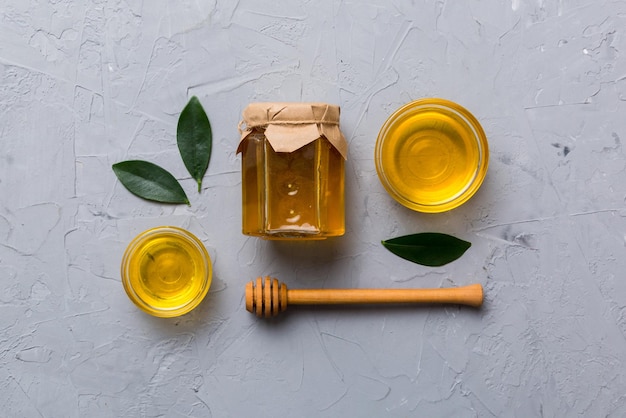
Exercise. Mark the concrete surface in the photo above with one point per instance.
(86, 84)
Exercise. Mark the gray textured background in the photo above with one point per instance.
(86, 84)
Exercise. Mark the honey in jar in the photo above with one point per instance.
(292, 168)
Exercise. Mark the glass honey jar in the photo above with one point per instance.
(292, 169)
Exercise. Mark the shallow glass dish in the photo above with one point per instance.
(431, 155)
(166, 271)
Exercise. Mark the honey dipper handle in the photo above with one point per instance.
(471, 295)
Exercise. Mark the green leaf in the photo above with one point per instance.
(194, 139)
(149, 181)
(428, 248)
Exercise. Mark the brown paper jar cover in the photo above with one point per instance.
(292, 171)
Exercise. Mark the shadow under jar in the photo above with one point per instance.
(292, 171)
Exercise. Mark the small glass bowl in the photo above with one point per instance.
(431, 155)
(166, 271)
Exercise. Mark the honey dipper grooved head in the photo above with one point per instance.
(266, 298)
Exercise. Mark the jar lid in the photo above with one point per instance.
(290, 126)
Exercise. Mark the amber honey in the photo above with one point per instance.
(431, 155)
(292, 195)
(166, 271)
(296, 193)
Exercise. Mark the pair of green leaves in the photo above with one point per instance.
(194, 139)
(428, 248)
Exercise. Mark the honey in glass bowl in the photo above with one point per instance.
(431, 155)
(166, 271)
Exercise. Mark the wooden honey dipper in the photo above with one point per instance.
(269, 296)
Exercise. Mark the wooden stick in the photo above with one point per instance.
(269, 297)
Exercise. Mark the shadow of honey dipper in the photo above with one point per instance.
(267, 297)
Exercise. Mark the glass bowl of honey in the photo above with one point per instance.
(166, 271)
(431, 155)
